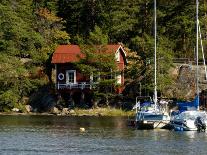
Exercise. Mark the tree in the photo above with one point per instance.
(25, 49)
(99, 63)
(50, 27)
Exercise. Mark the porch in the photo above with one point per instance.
(78, 85)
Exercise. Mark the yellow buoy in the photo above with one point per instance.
(82, 129)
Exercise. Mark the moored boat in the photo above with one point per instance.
(190, 120)
(149, 117)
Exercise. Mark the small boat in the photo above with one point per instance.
(150, 117)
(190, 120)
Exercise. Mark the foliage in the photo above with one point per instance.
(30, 31)
(99, 62)
(28, 35)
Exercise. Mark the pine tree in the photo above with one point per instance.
(100, 63)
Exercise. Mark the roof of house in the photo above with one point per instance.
(72, 53)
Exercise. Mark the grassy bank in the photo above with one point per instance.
(103, 112)
(80, 112)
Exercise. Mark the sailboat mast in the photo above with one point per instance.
(155, 54)
(201, 43)
(197, 88)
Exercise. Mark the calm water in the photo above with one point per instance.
(52, 135)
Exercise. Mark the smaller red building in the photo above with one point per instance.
(69, 80)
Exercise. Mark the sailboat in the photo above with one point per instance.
(152, 116)
(190, 120)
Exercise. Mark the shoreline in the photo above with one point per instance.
(97, 112)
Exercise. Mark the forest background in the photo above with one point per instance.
(31, 30)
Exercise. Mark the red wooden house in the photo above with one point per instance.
(70, 81)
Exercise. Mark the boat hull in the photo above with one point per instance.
(188, 121)
(151, 120)
(182, 127)
(152, 124)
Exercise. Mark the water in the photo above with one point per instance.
(56, 135)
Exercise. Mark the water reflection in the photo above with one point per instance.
(50, 135)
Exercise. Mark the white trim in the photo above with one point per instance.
(120, 47)
(74, 73)
(61, 76)
(91, 77)
(117, 55)
(118, 79)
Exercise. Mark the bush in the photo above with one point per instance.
(7, 100)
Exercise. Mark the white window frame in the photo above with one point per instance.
(119, 79)
(94, 78)
(117, 55)
(67, 78)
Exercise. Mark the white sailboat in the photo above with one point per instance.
(152, 117)
(191, 120)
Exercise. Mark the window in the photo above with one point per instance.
(95, 78)
(118, 79)
(117, 56)
(70, 76)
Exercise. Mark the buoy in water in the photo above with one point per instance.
(82, 129)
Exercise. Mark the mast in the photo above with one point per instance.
(201, 42)
(155, 54)
(197, 88)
